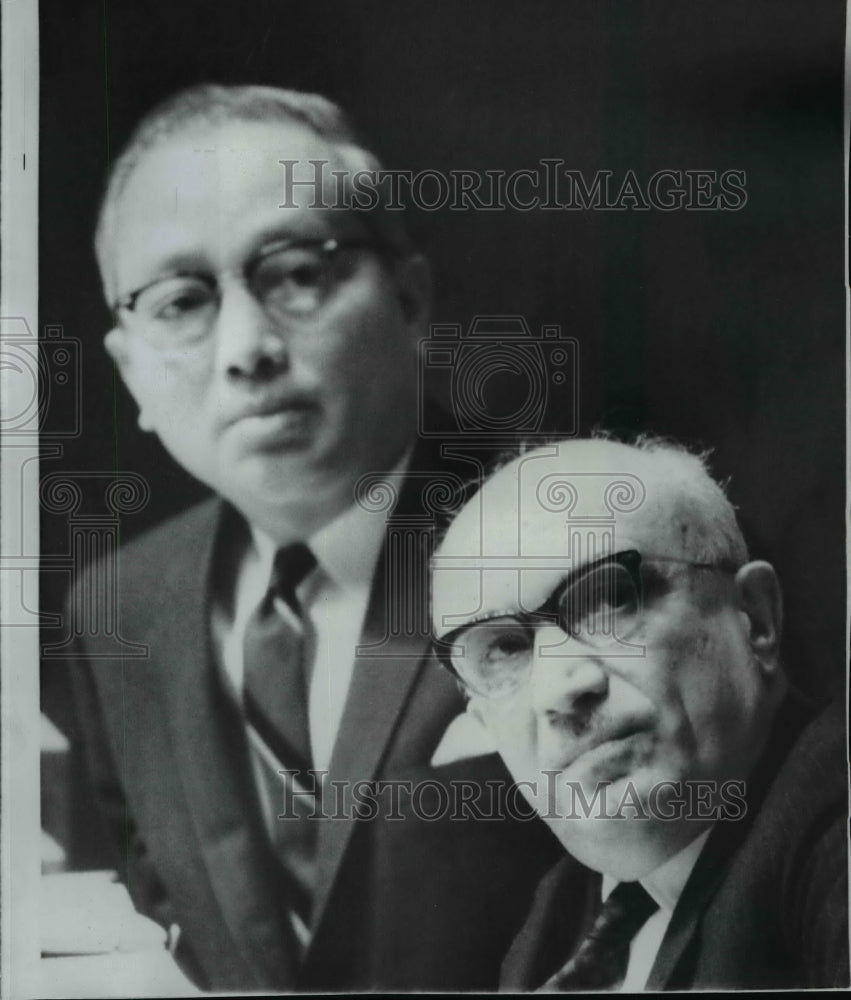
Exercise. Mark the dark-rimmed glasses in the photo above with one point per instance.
(599, 605)
(290, 278)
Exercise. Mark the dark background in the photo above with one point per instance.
(725, 329)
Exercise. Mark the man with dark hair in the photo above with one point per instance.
(271, 343)
(598, 604)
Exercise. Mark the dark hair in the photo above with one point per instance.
(215, 104)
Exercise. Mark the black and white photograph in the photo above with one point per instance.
(424, 461)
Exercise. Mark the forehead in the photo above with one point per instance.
(546, 515)
(208, 188)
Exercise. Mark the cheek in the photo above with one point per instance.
(674, 680)
(168, 383)
(328, 359)
(512, 726)
(363, 337)
(711, 698)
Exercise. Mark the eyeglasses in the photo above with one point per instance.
(599, 606)
(291, 278)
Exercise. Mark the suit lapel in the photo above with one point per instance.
(214, 770)
(379, 688)
(713, 864)
(565, 904)
(389, 664)
(704, 880)
(209, 748)
(200, 741)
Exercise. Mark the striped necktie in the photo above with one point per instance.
(277, 639)
(600, 962)
(276, 648)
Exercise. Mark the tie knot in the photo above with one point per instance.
(628, 906)
(291, 566)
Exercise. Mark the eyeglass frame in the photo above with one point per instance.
(327, 247)
(549, 612)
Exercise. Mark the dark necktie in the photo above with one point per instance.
(276, 651)
(275, 685)
(601, 960)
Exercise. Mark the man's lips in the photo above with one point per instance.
(274, 422)
(272, 406)
(605, 739)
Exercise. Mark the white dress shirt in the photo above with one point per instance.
(665, 885)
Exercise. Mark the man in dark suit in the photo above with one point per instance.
(598, 603)
(270, 341)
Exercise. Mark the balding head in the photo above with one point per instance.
(585, 495)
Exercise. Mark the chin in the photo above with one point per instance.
(614, 771)
(627, 850)
(269, 472)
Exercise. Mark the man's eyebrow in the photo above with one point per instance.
(574, 574)
(519, 610)
(546, 606)
(531, 614)
(198, 261)
(180, 262)
(283, 231)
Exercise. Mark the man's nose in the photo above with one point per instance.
(249, 342)
(567, 679)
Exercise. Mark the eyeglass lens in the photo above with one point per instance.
(597, 609)
(291, 281)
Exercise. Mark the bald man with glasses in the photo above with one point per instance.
(597, 603)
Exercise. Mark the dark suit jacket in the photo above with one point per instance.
(170, 768)
(766, 906)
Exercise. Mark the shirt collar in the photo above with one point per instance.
(665, 884)
(347, 547)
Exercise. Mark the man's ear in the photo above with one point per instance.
(413, 279)
(115, 343)
(761, 601)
